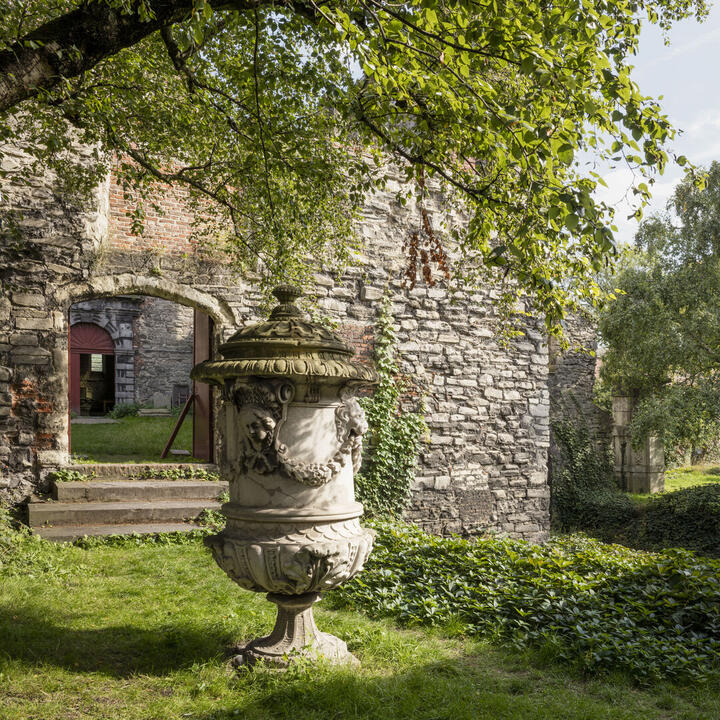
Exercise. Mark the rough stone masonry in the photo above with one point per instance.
(484, 466)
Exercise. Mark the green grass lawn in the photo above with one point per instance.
(140, 633)
(131, 439)
(684, 477)
(690, 476)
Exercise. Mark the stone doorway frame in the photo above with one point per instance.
(63, 296)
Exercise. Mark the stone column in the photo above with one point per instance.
(637, 470)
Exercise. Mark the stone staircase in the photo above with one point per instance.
(116, 502)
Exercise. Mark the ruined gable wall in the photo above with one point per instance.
(484, 465)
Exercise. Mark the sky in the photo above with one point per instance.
(687, 74)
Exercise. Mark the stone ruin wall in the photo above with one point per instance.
(571, 381)
(484, 467)
(163, 352)
(572, 376)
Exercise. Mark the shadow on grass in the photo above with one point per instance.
(432, 690)
(120, 651)
(451, 689)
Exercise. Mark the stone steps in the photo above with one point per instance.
(67, 533)
(146, 490)
(116, 512)
(115, 505)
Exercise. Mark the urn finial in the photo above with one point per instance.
(286, 296)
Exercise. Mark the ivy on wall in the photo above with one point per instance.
(393, 438)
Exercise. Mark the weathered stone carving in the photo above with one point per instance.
(292, 559)
(352, 425)
(294, 443)
(262, 410)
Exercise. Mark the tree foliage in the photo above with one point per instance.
(282, 115)
(663, 332)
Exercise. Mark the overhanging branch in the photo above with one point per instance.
(75, 42)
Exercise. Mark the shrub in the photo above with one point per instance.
(584, 495)
(122, 410)
(688, 518)
(598, 607)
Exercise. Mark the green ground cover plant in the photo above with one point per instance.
(176, 473)
(597, 607)
(131, 439)
(688, 518)
(65, 475)
(25, 555)
(137, 629)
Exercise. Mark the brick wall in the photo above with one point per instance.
(167, 232)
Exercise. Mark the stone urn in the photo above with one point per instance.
(292, 445)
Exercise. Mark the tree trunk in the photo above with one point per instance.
(75, 42)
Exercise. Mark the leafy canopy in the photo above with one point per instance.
(663, 332)
(282, 115)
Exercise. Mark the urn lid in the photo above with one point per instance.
(285, 345)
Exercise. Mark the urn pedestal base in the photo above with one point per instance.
(295, 636)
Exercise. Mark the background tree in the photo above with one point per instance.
(282, 114)
(663, 332)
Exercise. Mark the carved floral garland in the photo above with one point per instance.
(317, 474)
(265, 411)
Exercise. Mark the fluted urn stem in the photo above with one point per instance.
(295, 635)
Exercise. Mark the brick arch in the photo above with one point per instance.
(131, 284)
(105, 325)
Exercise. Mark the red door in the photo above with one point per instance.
(85, 339)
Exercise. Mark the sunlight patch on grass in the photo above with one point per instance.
(682, 478)
(691, 476)
(131, 439)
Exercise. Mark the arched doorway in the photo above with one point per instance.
(92, 370)
(214, 319)
(149, 345)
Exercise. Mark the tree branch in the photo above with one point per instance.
(75, 42)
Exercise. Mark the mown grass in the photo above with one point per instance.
(140, 633)
(691, 476)
(682, 478)
(131, 439)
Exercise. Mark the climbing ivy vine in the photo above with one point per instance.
(394, 437)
